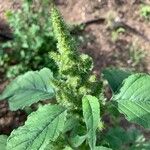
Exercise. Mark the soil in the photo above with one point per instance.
(100, 46)
(97, 41)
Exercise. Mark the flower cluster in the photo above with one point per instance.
(74, 69)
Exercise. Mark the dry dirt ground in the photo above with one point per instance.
(100, 45)
(98, 41)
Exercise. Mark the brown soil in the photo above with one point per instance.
(97, 42)
(100, 46)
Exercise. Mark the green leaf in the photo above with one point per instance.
(76, 129)
(115, 77)
(67, 148)
(133, 100)
(3, 141)
(77, 140)
(91, 113)
(29, 88)
(117, 137)
(41, 127)
(131, 139)
(102, 148)
(70, 123)
(56, 146)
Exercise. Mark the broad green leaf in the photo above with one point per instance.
(102, 148)
(91, 114)
(67, 148)
(29, 88)
(41, 127)
(115, 77)
(3, 141)
(133, 100)
(77, 140)
(117, 137)
(56, 146)
(49, 147)
(70, 124)
(76, 129)
(131, 139)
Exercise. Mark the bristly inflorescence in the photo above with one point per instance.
(74, 69)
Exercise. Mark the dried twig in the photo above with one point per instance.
(93, 21)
